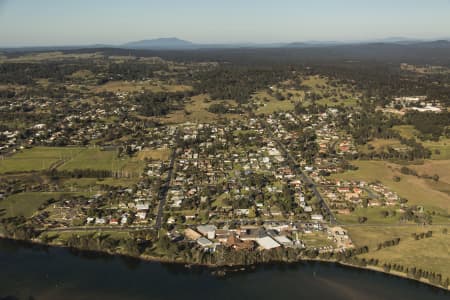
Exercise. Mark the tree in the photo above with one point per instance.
(362, 220)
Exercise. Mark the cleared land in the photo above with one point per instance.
(25, 204)
(406, 131)
(62, 237)
(269, 104)
(381, 145)
(93, 185)
(332, 94)
(439, 149)
(196, 111)
(416, 190)
(52, 56)
(69, 158)
(316, 240)
(136, 86)
(36, 159)
(157, 154)
(373, 215)
(428, 253)
(431, 167)
(95, 159)
(372, 235)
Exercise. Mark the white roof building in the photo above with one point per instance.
(204, 242)
(284, 241)
(267, 243)
(317, 217)
(143, 206)
(207, 230)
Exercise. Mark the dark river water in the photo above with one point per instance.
(36, 272)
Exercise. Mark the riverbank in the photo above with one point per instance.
(224, 269)
(396, 274)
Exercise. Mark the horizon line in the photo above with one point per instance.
(230, 43)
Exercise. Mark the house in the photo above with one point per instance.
(141, 215)
(143, 207)
(100, 221)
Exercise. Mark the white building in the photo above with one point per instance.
(267, 243)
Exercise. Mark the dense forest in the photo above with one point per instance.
(430, 125)
(238, 82)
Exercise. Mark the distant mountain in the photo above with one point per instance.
(396, 40)
(309, 44)
(434, 44)
(162, 43)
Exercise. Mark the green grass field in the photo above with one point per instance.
(371, 236)
(269, 104)
(430, 254)
(406, 131)
(62, 237)
(70, 158)
(36, 159)
(319, 85)
(130, 86)
(93, 184)
(373, 215)
(26, 204)
(416, 190)
(154, 154)
(381, 145)
(196, 111)
(96, 159)
(345, 102)
(316, 240)
(442, 146)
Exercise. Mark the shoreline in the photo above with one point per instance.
(222, 270)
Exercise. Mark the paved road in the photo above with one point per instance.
(305, 178)
(165, 187)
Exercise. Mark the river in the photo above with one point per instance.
(38, 272)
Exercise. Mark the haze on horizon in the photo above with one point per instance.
(82, 22)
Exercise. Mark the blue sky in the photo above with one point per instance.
(72, 22)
